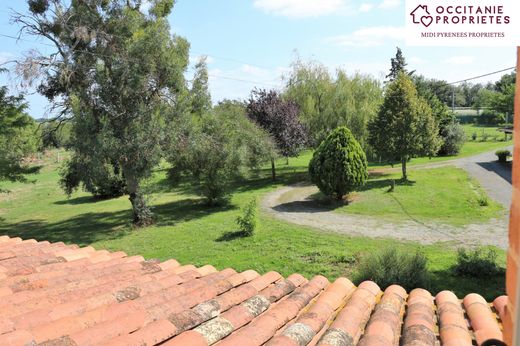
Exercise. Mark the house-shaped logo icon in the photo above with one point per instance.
(421, 15)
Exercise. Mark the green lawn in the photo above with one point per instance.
(494, 140)
(193, 233)
(444, 195)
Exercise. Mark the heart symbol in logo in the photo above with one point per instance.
(426, 20)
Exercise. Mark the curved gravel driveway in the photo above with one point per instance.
(300, 210)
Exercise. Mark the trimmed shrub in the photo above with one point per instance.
(477, 263)
(503, 155)
(339, 165)
(453, 137)
(248, 220)
(391, 266)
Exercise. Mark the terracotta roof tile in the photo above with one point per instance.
(62, 295)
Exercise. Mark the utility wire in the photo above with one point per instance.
(484, 75)
(242, 62)
(106, 56)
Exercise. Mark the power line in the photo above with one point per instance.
(244, 80)
(106, 56)
(484, 75)
(242, 62)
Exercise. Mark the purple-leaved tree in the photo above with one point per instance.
(279, 118)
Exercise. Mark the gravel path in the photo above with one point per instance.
(293, 204)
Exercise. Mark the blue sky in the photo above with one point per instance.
(252, 42)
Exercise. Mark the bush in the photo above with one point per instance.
(489, 117)
(503, 155)
(483, 201)
(248, 220)
(453, 137)
(391, 266)
(217, 149)
(477, 263)
(474, 136)
(339, 165)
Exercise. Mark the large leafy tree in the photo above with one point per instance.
(217, 148)
(279, 118)
(451, 132)
(404, 126)
(17, 137)
(328, 101)
(503, 99)
(114, 71)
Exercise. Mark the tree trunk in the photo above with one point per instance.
(403, 166)
(273, 170)
(142, 214)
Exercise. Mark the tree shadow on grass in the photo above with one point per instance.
(81, 229)
(229, 236)
(80, 200)
(169, 214)
(489, 287)
(317, 202)
(90, 227)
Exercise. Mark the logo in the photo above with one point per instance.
(462, 22)
(421, 15)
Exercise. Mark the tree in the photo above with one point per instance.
(217, 149)
(453, 138)
(339, 165)
(503, 99)
(404, 126)
(200, 96)
(441, 89)
(398, 64)
(328, 101)
(114, 73)
(102, 179)
(17, 137)
(279, 118)
(451, 133)
(54, 134)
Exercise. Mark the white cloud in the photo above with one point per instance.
(238, 82)
(301, 8)
(416, 60)
(460, 60)
(366, 7)
(386, 4)
(370, 36)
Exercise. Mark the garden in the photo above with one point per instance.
(140, 159)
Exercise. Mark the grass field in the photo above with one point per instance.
(193, 233)
(444, 195)
(494, 140)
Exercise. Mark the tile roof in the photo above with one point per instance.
(52, 294)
